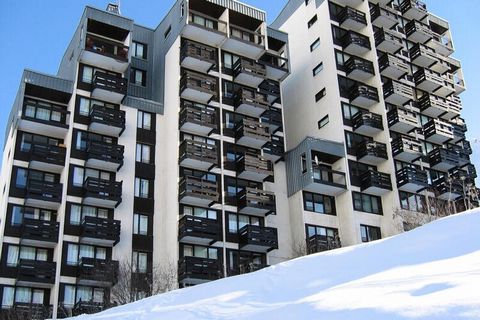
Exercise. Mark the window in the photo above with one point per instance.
(318, 203)
(237, 222)
(144, 120)
(140, 224)
(19, 213)
(76, 252)
(317, 69)
(143, 153)
(304, 162)
(320, 94)
(138, 77)
(199, 212)
(21, 181)
(80, 175)
(139, 50)
(321, 231)
(200, 252)
(312, 21)
(229, 60)
(139, 262)
(369, 233)
(15, 253)
(323, 122)
(412, 201)
(367, 203)
(85, 104)
(315, 45)
(8, 297)
(21, 295)
(79, 212)
(142, 188)
(167, 32)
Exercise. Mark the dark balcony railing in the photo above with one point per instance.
(448, 187)
(254, 163)
(246, 35)
(87, 307)
(36, 271)
(198, 151)
(394, 40)
(401, 144)
(98, 270)
(198, 51)
(39, 230)
(372, 149)
(198, 227)
(247, 268)
(255, 236)
(318, 243)
(109, 82)
(393, 66)
(349, 13)
(272, 89)
(249, 66)
(25, 310)
(48, 153)
(327, 176)
(274, 60)
(103, 189)
(199, 188)
(194, 269)
(397, 93)
(353, 38)
(437, 127)
(106, 47)
(375, 179)
(101, 228)
(359, 64)
(409, 175)
(441, 156)
(199, 115)
(107, 116)
(251, 128)
(376, 12)
(256, 199)
(44, 191)
(273, 118)
(206, 22)
(369, 119)
(105, 152)
(364, 91)
(250, 97)
(408, 5)
(275, 147)
(405, 117)
(199, 82)
(426, 56)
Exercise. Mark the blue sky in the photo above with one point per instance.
(35, 33)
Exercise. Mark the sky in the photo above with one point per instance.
(35, 33)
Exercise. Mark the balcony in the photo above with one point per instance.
(363, 95)
(411, 179)
(194, 270)
(248, 72)
(448, 86)
(254, 167)
(97, 272)
(433, 106)
(87, 307)
(245, 42)
(318, 243)
(251, 133)
(375, 182)
(26, 310)
(47, 157)
(458, 83)
(205, 29)
(273, 119)
(100, 231)
(102, 193)
(197, 230)
(371, 152)
(441, 44)
(414, 9)
(442, 65)
(37, 274)
(454, 107)
(198, 87)
(250, 102)
(198, 191)
(276, 66)
(197, 56)
(108, 87)
(198, 155)
(359, 69)
(257, 239)
(105, 53)
(106, 121)
(327, 181)
(256, 202)
(443, 159)
(406, 149)
(355, 43)
(367, 123)
(43, 194)
(198, 119)
(246, 268)
(438, 131)
(274, 149)
(40, 233)
(351, 18)
(397, 93)
(383, 17)
(402, 120)
(52, 121)
(448, 188)
(388, 41)
(423, 56)
(458, 133)
(104, 156)
(393, 67)
(418, 32)
(271, 89)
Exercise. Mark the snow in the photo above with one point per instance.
(432, 272)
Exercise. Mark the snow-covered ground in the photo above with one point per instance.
(432, 272)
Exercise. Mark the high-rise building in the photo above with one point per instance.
(215, 145)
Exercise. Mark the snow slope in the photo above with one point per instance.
(432, 272)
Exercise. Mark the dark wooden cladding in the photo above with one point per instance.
(377, 179)
(103, 189)
(367, 119)
(251, 97)
(43, 190)
(197, 150)
(200, 82)
(256, 199)
(100, 228)
(198, 114)
(87, 307)
(253, 129)
(255, 163)
(39, 230)
(109, 82)
(105, 152)
(198, 51)
(97, 270)
(372, 148)
(249, 66)
(318, 243)
(190, 226)
(47, 153)
(199, 188)
(36, 271)
(199, 268)
(107, 116)
(251, 235)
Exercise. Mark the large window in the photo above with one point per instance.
(367, 203)
(15, 253)
(76, 252)
(321, 231)
(85, 104)
(199, 212)
(73, 294)
(200, 252)
(139, 50)
(370, 233)
(318, 203)
(13, 295)
(143, 153)
(142, 188)
(140, 224)
(412, 201)
(43, 111)
(237, 222)
(28, 139)
(19, 213)
(83, 137)
(138, 77)
(144, 120)
(140, 261)
(80, 175)
(79, 212)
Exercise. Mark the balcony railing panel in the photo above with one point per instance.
(100, 231)
(104, 155)
(363, 95)
(198, 118)
(195, 270)
(411, 179)
(198, 87)
(372, 152)
(42, 273)
(367, 123)
(43, 193)
(250, 102)
(39, 232)
(256, 202)
(252, 133)
(352, 19)
(102, 192)
(443, 159)
(388, 41)
(195, 190)
(406, 149)
(97, 272)
(375, 182)
(318, 243)
(198, 230)
(197, 154)
(198, 57)
(105, 120)
(106, 47)
(359, 69)
(258, 239)
(254, 167)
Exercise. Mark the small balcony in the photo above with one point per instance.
(406, 149)
(198, 191)
(248, 72)
(43, 194)
(105, 53)
(397, 93)
(256, 202)
(363, 95)
(441, 44)
(418, 32)
(438, 131)
(454, 107)
(251, 133)
(411, 179)
(104, 156)
(100, 231)
(359, 69)
(254, 167)
(433, 106)
(402, 120)
(87, 307)
(458, 133)
(393, 67)
(383, 17)
(198, 87)
(250, 102)
(47, 157)
(375, 182)
(40, 233)
(458, 83)
(423, 56)
(245, 42)
(257, 239)
(97, 272)
(351, 18)
(271, 89)
(102, 193)
(367, 123)
(198, 155)
(276, 66)
(273, 119)
(195, 270)
(274, 149)
(205, 29)
(388, 41)
(327, 181)
(198, 119)
(318, 243)
(197, 56)
(197, 230)
(414, 9)
(108, 87)
(106, 121)
(442, 65)
(443, 159)
(26, 310)
(372, 152)
(37, 274)
(448, 188)
(52, 121)
(355, 43)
